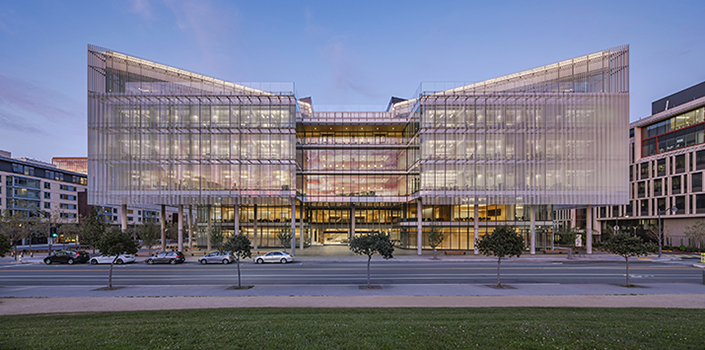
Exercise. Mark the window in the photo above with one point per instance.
(47, 185)
(628, 210)
(680, 164)
(644, 170)
(661, 166)
(641, 189)
(67, 188)
(114, 210)
(67, 197)
(47, 205)
(68, 206)
(680, 204)
(676, 185)
(631, 173)
(697, 179)
(661, 204)
(658, 187)
(68, 215)
(700, 160)
(644, 204)
(47, 195)
(700, 203)
(114, 218)
(129, 218)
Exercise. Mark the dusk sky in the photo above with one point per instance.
(340, 53)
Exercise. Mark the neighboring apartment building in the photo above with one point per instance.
(460, 158)
(666, 164)
(32, 187)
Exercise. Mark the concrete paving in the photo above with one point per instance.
(29, 299)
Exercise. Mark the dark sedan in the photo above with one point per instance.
(166, 258)
(67, 257)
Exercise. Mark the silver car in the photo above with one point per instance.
(275, 257)
(216, 258)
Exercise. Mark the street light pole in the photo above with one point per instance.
(673, 209)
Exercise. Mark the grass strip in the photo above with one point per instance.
(355, 328)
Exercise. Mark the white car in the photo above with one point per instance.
(274, 257)
(107, 259)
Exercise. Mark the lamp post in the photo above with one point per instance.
(673, 209)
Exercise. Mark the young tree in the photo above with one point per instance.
(217, 239)
(116, 242)
(627, 246)
(696, 232)
(435, 238)
(502, 242)
(92, 229)
(284, 237)
(567, 236)
(149, 234)
(371, 244)
(239, 246)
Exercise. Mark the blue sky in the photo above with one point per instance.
(339, 53)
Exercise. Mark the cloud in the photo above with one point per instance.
(31, 108)
(346, 74)
(142, 8)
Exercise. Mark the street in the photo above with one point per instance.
(348, 273)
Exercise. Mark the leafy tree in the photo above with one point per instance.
(568, 235)
(435, 238)
(502, 242)
(371, 244)
(5, 246)
(696, 232)
(239, 246)
(284, 237)
(149, 234)
(171, 230)
(92, 229)
(217, 239)
(627, 246)
(116, 242)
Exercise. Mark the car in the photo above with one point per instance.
(166, 258)
(274, 257)
(67, 256)
(216, 258)
(107, 259)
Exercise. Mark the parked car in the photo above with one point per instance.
(67, 256)
(107, 259)
(216, 258)
(166, 258)
(274, 257)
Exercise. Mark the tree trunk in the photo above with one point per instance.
(499, 282)
(110, 275)
(627, 260)
(435, 257)
(570, 252)
(239, 281)
(369, 257)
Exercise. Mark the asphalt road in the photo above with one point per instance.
(347, 273)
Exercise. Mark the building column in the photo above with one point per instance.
(181, 228)
(588, 228)
(190, 228)
(293, 226)
(419, 227)
(352, 225)
(532, 228)
(476, 224)
(254, 241)
(301, 228)
(236, 219)
(209, 228)
(123, 218)
(162, 222)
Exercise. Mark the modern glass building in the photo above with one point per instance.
(462, 158)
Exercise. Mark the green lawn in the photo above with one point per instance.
(398, 328)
